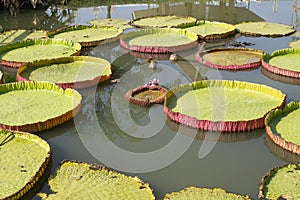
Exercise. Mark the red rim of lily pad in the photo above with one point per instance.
(278, 70)
(130, 95)
(50, 122)
(107, 40)
(126, 38)
(223, 126)
(287, 145)
(25, 43)
(248, 65)
(75, 85)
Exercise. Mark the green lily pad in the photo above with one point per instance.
(78, 180)
(295, 44)
(88, 36)
(282, 127)
(68, 72)
(19, 35)
(114, 22)
(159, 40)
(284, 62)
(281, 183)
(24, 159)
(264, 29)
(169, 21)
(231, 58)
(212, 30)
(193, 193)
(19, 53)
(36, 106)
(222, 105)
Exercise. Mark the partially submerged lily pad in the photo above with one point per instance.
(282, 127)
(19, 53)
(68, 72)
(146, 95)
(231, 58)
(295, 44)
(168, 21)
(159, 40)
(12, 36)
(24, 159)
(81, 180)
(207, 30)
(222, 105)
(281, 183)
(194, 193)
(88, 36)
(284, 62)
(113, 22)
(267, 29)
(36, 106)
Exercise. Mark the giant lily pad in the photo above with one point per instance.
(231, 58)
(281, 183)
(169, 21)
(19, 35)
(222, 105)
(114, 22)
(264, 29)
(24, 159)
(295, 44)
(36, 106)
(159, 40)
(82, 180)
(88, 36)
(68, 72)
(193, 193)
(284, 62)
(212, 30)
(19, 53)
(282, 127)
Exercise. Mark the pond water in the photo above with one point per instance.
(142, 141)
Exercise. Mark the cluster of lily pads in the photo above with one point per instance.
(50, 69)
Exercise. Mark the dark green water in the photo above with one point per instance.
(142, 141)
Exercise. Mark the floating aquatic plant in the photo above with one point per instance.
(12, 36)
(112, 22)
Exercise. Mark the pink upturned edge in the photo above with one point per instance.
(199, 58)
(158, 49)
(280, 71)
(237, 126)
(14, 64)
(44, 125)
(292, 147)
(130, 98)
(74, 85)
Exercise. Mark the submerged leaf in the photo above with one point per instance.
(19, 35)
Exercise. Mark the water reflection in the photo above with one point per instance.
(280, 78)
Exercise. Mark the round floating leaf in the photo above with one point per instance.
(90, 181)
(281, 183)
(115, 22)
(19, 35)
(19, 53)
(88, 36)
(68, 72)
(36, 106)
(24, 159)
(231, 58)
(264, 29)
(295, 44)
(212, 30)
(146, 95)
(284, 62)
(159, 40)
(222, 105)
(193, 193)
(169, 21)
(282, 127)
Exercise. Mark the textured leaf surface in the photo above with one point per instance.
(23, 160)
(193, 193)
(265, 29)
(19, 35)
(165, 21)
(286, 59)
(114, 22)
(74, 180)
